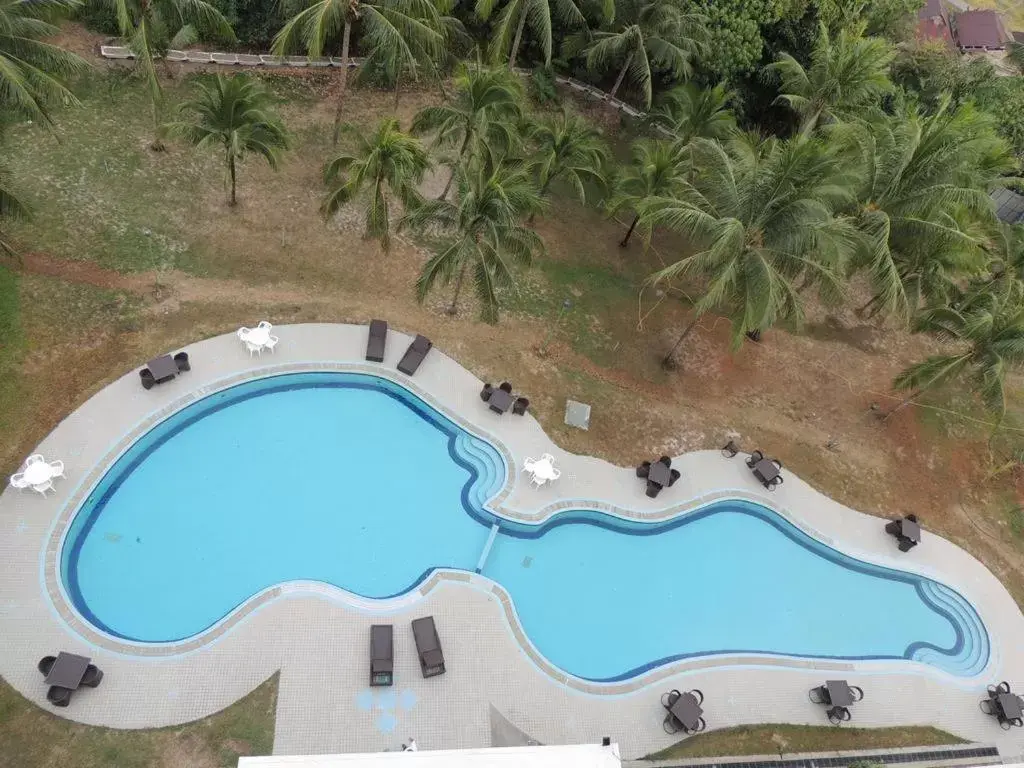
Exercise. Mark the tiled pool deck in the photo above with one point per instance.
(317, 636)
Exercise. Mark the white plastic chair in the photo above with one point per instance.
(18, 481)
(35, 458)
(43, 487)
(538, 480)
(271, 342)
(253, 348)
(243, 333)
(529, 464)
(57, 467)
(264, 324)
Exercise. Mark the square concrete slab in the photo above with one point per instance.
(577, 414)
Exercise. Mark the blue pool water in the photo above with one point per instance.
(351, 480)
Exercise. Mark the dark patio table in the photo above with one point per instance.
(500, 401)
(1010, 705)
(67, 671)
(838, 692)
(766, 470)
(163, 368)
(659, 474)
(687, 711)
(910, 530)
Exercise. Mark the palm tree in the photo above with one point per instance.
(11, 209)
(402, 32)
(151, 27)
(990, 342)
(387, 163)
(923, 181)
(690, 112)
(569, 148)
(658, 168)
(760, 214)
(649, 35)
(845, 77)
(508, 30)
(33, 73)
(481, 231)
(235, 114)
(1015, 56)
(487, 105)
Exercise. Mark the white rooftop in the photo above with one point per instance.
(560, 756)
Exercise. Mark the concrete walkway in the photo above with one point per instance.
(316, 635)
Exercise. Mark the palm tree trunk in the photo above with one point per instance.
(629, 232)
(454, 306)
(395, 109)
(902, 404)
(519, 37)
(621, 77)
(462, 151)
(346, 36)
(669, 362)
(231, 170)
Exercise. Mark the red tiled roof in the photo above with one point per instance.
(981, 29)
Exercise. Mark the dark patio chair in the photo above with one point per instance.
(817, 695)
(856, 692)
(670, 697)
(1003, 687)
(506, 386)
(485, 393)
(776, 481)
(698, 695)
(777, 463)
(838, 715)
(671, 725)
(520, 405)
(147, 378)
(653, 489)
(46, 664)
(666, 461)
(701, 725)
(754, 457)
(893, 528)
(674, 475)
(382, 654)
(377, 341)
(730, 449)
(644, 469)
(905, 545)
(58, 696)
(181, 360)
(1018, 722)
(428, 646)
(912, 518)
(986, 706)
(92, 677)
(414, 355)
(1005, 724)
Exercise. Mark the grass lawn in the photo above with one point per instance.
(789, 739)
(31, 737)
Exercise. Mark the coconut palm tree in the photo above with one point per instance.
(649, 35)
(11, 209)
(690, 112)
(487, 105)
(386, 164)
(760, 214)
(923, 184)
(845, 77)
(568, 147)
(151, 27)
(658, 168)
(507, 32)
(236, 115)
(989, 339)
(33, 73)
(481, 232)
(403, 32)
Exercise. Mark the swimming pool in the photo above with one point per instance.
(351, 480)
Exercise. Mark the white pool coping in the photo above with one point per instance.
(490, 661)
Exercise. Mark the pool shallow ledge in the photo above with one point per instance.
(974, 650)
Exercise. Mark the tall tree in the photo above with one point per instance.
(989, 343)
(234, 114)
(11, 209)
(690, 112)
(760, 214)
(481, 232)
(569, 148)
(487, 105)
(154, 26)
(508, 30)
(921, 182)
(34, 73)
(402, 33)
(846, 76)
(384, 165)
(658, 168)
(648, 35)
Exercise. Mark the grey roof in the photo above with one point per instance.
(1009, 205)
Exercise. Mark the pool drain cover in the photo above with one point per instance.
(526, 561)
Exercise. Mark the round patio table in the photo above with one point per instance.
(38, 473)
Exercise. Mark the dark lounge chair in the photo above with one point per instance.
(485, 393)
(755, 457)
(46, 664)
(520, 405)
(147, 378)
(653, 489)
(905, 545)
(506, 386)
(382, 655)
(644, 469)
(414, 355)
(59, 697)
(893, 527)
(428, 646)
(376, 341)
(92, 677)
(181, 360)
(666, 461)
(730, 449)
(837, 715)
(673, 476)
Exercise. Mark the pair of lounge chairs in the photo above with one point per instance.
(382, 651)
(414, 355)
